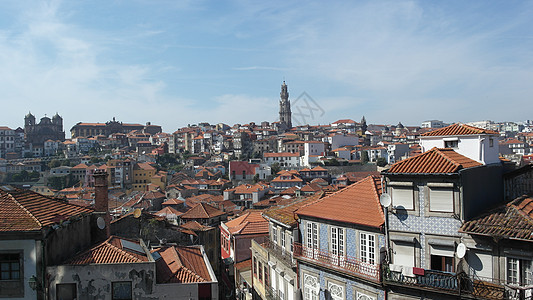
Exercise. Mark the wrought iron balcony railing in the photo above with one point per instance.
(459, 284)
(343, 263)
(281, 254)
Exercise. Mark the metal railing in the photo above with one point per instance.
(348, 264)
(281, 254)
(459, 284)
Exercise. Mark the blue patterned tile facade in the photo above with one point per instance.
(349, 285)
(381, 241)
(324, 237)
(351, 244)
(423, 225)
(428, 225)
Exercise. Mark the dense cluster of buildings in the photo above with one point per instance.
(347, 210)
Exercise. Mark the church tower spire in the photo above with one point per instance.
(285, 108)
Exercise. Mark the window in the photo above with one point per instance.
(66, 291)
(402, 196)
(121, 290)
(491, 142)
(336, 292)
(255, 266)
(519, 271)
(312, 235)
(275, 234)
(260, 271)
(451, 144)
(311, 287)
(10, 266)
(282, 237)
(337, 244)
(441, 199)
(267, 274)
(404, 254)
(362, 296)
(368, 248)
(442, 258)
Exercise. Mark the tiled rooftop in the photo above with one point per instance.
(512, 221)
(181, 265)
(434, 161)
(251, 222)
(202, 211)
(459, 129)
(356, 204)
(24, 210)
(111, 251)
(285, 214)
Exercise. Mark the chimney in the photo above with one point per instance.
(101, 198)
(100, 191)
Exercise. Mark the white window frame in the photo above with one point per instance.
(367, 248)
(275, 234)
(311, 287)
(336, 291)
(436, 202)
(522, 269)
(363, 296)
(282, 238)
(398, 194)
(337, 244)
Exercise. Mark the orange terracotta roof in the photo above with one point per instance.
(356, 204)
(252, 222)
(24, 210)
(512, 221)
(181, 265)
(194, 225)
(173, 201)
(110, 251)
(168, 211)
(458, 129)
(434, 161)
(202, 211)
(285, 214)
(249, 188)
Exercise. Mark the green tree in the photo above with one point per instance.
(381, 162)
(275, 168)
(256, 178)
(54, 163)
(364, 157)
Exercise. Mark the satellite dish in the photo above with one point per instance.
(461, 250)
(136, 213)
(100, 222)
(385, 199)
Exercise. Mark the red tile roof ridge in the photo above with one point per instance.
(85, 258)
(376, 191)
(458, 129)
(26, 210)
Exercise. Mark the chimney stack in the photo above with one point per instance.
(101, 198)
(101, 201)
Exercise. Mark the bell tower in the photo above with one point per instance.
(285, 108)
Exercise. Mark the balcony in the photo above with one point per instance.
(345, 264)
(457, 284)
(281, 254)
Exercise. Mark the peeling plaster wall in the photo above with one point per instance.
(94, 281)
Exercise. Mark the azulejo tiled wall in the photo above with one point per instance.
(423, 223)
(350, 285)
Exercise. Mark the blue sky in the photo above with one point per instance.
(176, 62)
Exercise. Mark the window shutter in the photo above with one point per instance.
(404, 254)
(402, 196)
(441, 199)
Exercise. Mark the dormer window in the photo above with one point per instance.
(451, 144)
